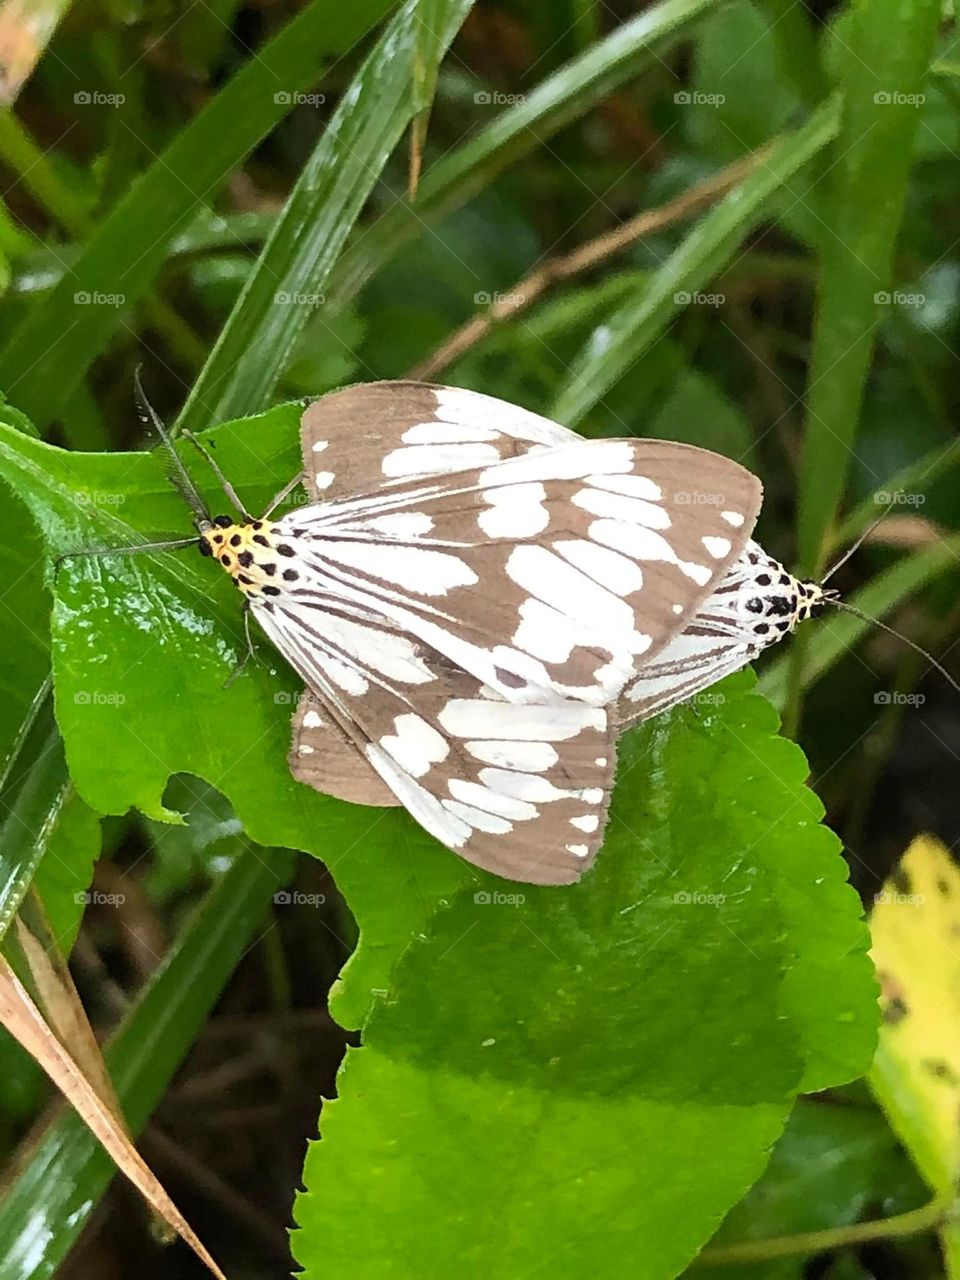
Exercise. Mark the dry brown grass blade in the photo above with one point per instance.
(21, 1017)
(25, 29)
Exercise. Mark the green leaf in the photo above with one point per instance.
(45, 358)
(873, 156)
(545, 1069)
(66, 868)
(51, 1198)
(632, 328)
(281, 295)
(515, 132)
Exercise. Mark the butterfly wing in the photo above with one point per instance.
(362, 438)
(547, 576)
(325, 757)
(469, 767)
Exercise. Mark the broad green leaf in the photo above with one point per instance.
(44, 359)
(632, 328)
(280, 297)
(881, 78)
(545, 1069)
(51, 1198)
(567, 94)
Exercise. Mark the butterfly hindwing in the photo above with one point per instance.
(361, 438)
(516, 789)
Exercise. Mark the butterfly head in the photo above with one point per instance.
(255, 553)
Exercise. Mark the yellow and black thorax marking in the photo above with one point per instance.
(256, 555)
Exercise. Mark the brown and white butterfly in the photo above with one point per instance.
(480, 600)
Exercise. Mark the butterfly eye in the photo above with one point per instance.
(205, 547)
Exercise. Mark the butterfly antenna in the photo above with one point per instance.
(855, 546)
(214, 466)
(912, 644)
(177, 473)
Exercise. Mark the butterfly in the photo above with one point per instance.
(480, 601)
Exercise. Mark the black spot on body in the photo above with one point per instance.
(235, 540)
(218, 538)
(269, 569)
(224, 559)
(245, 558)
(271, 591)
(762, 628)
(261, 540)
(290, 575)
(257, 524)
(763, 579)
(284, 550)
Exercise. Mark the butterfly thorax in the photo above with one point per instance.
(764, 600)
(257, 555)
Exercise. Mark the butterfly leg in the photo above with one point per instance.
(251, 651)
(284, 493)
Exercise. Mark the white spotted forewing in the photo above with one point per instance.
(479, 600)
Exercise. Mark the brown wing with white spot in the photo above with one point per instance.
(327, 759)
(548, 576)
(518, 790)
(361, 438)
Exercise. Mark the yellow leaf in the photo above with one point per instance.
(915, 925)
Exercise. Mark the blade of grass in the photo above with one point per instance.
(54, 1193)
(874, 154)
(634, 326)
(835, 635)
(28, 824)
(306, 239)
(45, 358)
(563, 97)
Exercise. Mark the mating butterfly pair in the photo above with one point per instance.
(480, 601)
